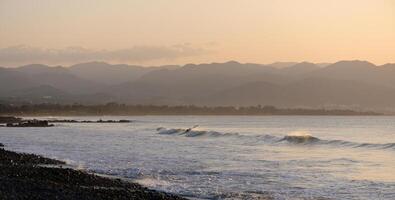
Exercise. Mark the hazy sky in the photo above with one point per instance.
(182, 31)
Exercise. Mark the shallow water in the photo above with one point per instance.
(230, 157)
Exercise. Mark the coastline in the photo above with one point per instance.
(114, 109)
(30, 176)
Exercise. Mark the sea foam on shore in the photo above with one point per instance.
(23, 176)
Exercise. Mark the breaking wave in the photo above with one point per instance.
(300, 138)
(295, 138)
(189, 132)
(307, 139)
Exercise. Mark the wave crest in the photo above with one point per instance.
(189, 132)
(300, 139)
(296, 138)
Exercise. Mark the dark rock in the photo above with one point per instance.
(21, 177)
(31, 123)
(89, 121)
(13, 158)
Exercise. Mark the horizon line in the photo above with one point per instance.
(202, 63)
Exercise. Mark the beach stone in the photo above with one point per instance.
(23, 177)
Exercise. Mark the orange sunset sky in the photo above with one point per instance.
(156, 32)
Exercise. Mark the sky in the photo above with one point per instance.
(159, 32)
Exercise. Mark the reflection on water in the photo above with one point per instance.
(282, 157)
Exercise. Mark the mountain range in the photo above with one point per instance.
(345, 84)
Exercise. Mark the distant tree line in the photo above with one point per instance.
(123, 109)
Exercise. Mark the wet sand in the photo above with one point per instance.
(24, 176)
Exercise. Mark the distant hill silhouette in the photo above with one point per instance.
(105, 73)
(344, 84)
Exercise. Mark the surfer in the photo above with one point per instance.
(189, 129)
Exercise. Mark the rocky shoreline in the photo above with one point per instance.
(11, 121)
(89, 121)
(25, 176)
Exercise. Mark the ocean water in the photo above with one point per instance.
(230, 157)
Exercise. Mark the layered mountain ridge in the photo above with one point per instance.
(344, 84)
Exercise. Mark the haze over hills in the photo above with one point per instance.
(345, 84)
(105, 73)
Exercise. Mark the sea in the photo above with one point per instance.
(229, 157)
